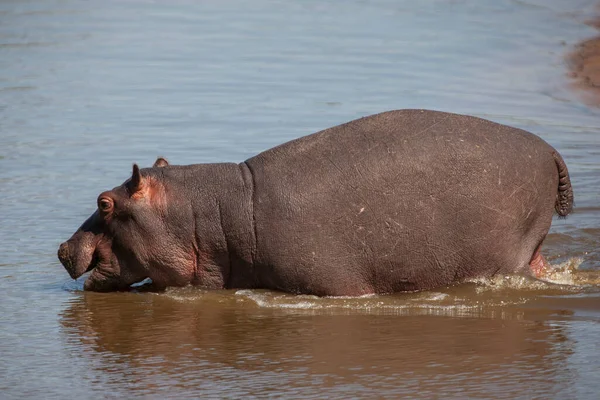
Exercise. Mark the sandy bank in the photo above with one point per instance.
(584, 64)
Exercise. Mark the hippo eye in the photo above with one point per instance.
(105, 204)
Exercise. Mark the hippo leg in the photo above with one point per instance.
(538, 264)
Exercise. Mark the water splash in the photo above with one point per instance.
(569, 273)
(422, 303)
(476, 297)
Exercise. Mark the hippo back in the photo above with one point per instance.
(402, 200)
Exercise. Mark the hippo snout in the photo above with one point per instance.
(63, 254)
(65, 259)
(76, 257)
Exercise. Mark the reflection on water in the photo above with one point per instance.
(88, 88)
(506, 335)
(214, 342)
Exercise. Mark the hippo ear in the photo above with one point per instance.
(161, 162)
(136, 183)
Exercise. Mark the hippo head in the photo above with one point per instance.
(134, 234)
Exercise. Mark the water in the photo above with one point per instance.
(88, 88)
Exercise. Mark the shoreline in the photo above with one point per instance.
(584, 65)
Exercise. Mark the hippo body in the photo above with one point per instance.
(399, 201)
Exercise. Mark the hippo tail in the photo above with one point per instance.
(564, 196)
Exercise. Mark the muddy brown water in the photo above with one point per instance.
(87, 88)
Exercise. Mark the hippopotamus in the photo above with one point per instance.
(403, 200)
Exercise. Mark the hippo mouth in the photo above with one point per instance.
(106, 273)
